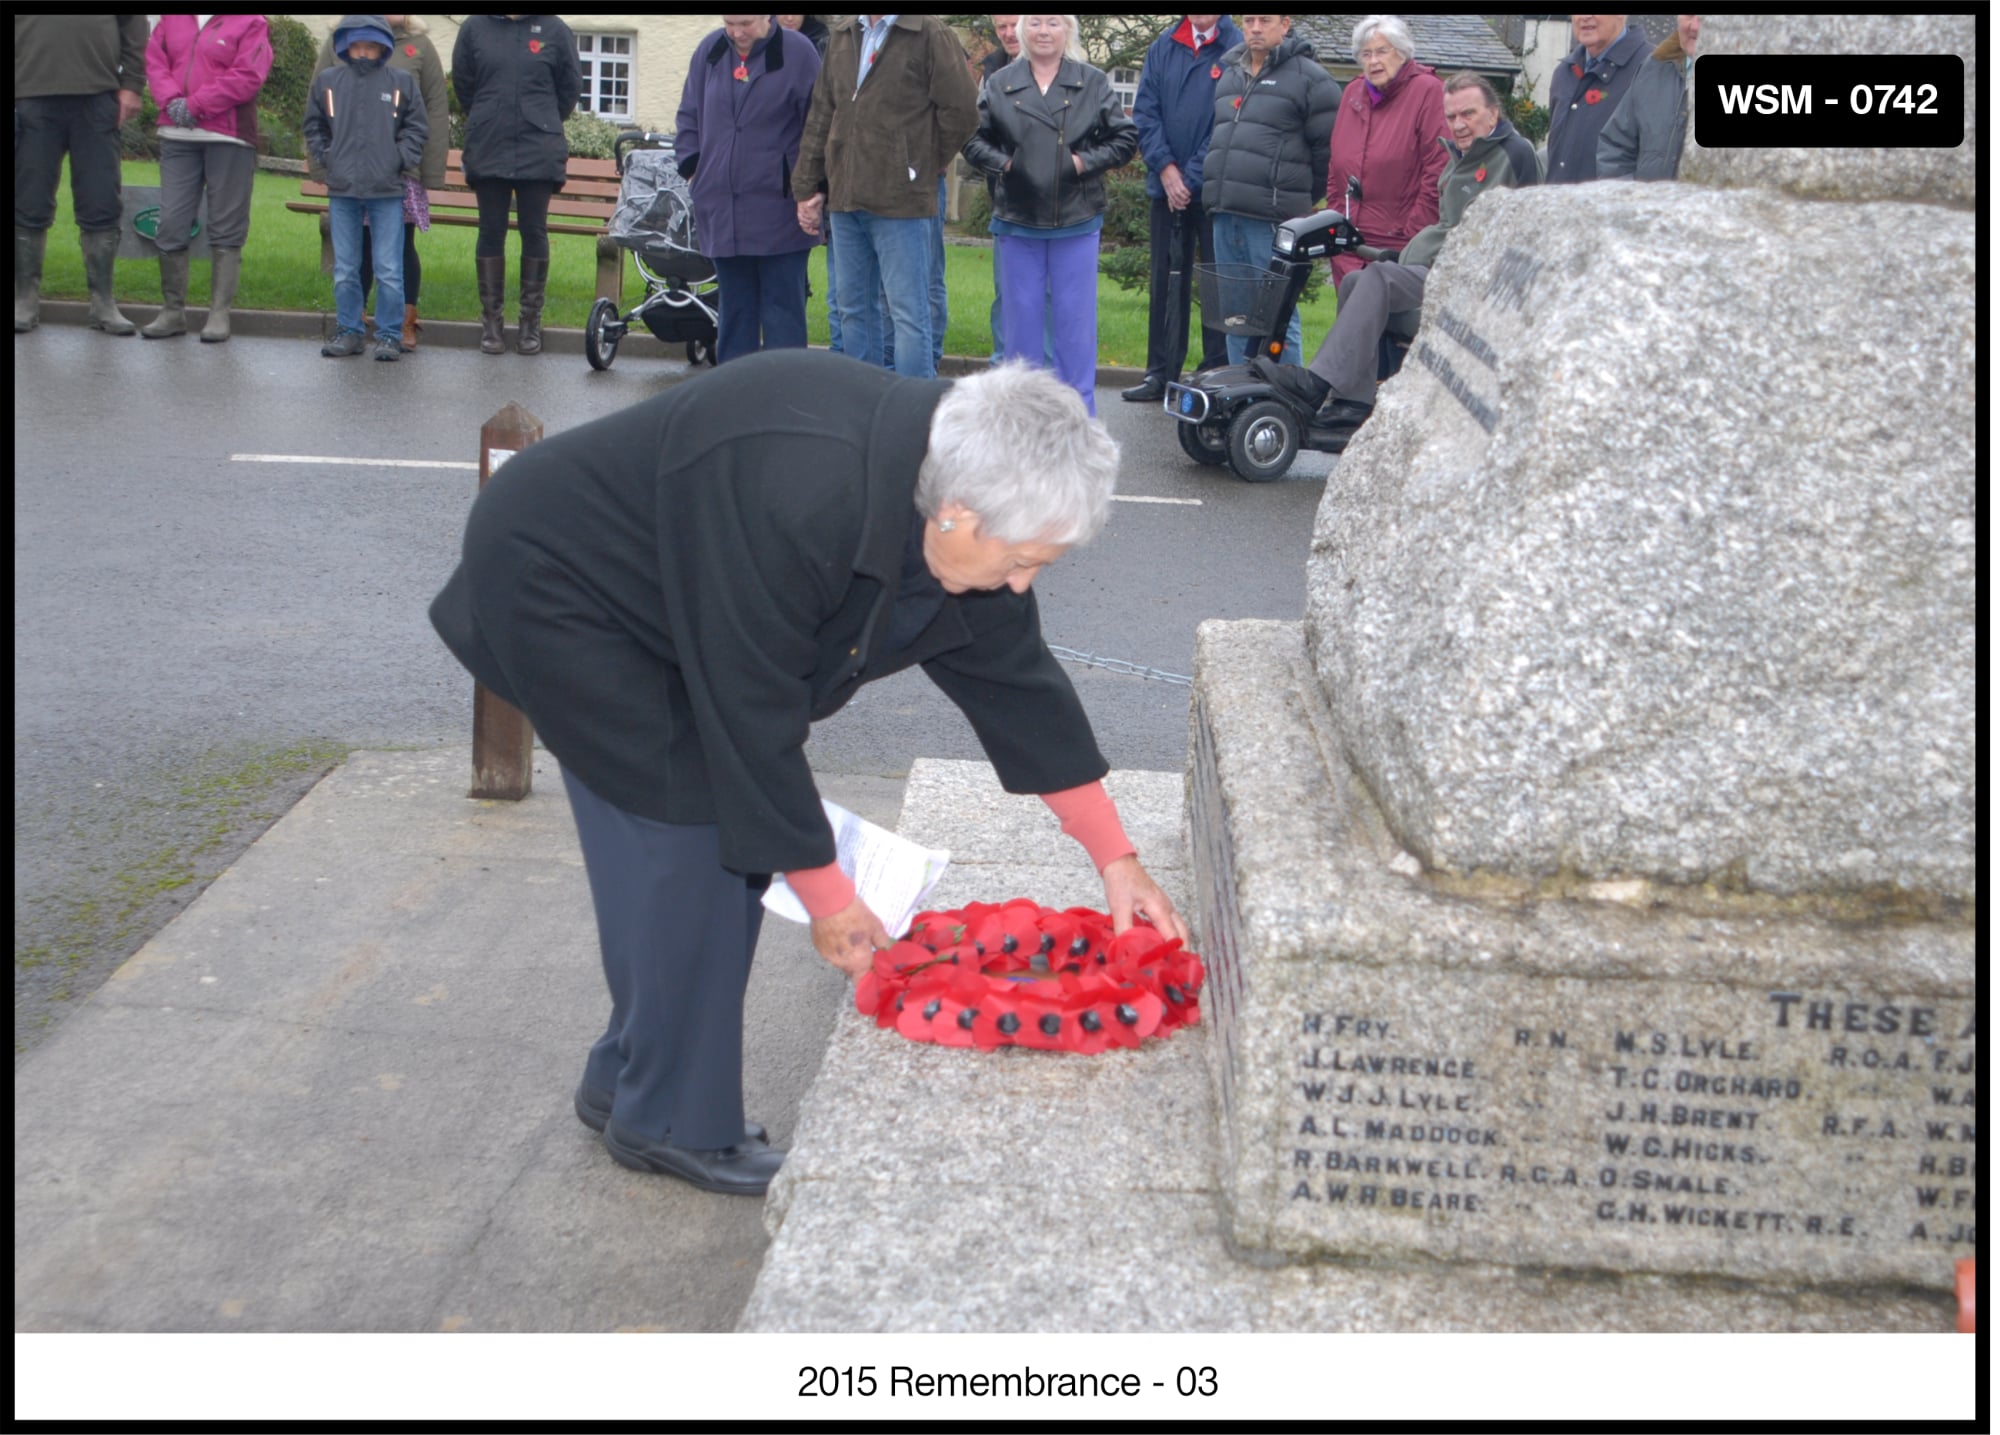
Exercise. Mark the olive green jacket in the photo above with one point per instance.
(883, 148)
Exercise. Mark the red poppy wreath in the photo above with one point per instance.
(1019, 974)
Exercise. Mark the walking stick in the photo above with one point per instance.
(1175, 337)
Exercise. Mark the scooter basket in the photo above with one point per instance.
(1240, 299)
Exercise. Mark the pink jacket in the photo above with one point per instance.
(1394, 149)
(218, 70)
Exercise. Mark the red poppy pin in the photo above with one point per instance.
(1480, 174)
(1237, 103)
(1576, 70)
(1591, 97)
(742, 72)
(1215, 72)
(411, 51)
(534, 47)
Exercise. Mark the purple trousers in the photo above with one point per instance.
(1052, 282)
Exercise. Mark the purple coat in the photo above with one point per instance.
(737, 140)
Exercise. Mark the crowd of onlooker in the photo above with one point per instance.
(794, 134)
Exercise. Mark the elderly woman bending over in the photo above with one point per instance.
(1049, 127)
(1391, 135)
(675, 593)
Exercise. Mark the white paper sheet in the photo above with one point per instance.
(892, 874)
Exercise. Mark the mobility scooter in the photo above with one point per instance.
(1246, 416)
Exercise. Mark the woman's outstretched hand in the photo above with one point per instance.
(849, 938)
(1131, 895)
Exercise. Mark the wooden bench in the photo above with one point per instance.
(583, 205)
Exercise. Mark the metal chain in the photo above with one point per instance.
(1119, 665)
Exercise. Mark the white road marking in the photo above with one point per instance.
(473, 467)
(358, 462)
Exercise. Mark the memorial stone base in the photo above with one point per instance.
(943, 1189)
(1622, 1078)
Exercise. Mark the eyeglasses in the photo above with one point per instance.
(1376, 52)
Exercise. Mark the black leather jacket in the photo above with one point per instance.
(1039, 132)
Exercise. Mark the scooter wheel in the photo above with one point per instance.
(601, 333)
(1263, 441)
(1203, 444)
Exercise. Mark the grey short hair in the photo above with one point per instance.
(1472, 80)
(1390, 29)
(1015, 445)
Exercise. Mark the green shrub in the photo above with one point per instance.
(280, 133)
(294, 61)
(457, 112)
(1531, 119)
(589, 136)
(1128, 211)
(139, 137)
(1129, 267)
(978, 210)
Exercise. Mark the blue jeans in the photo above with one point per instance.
(384, 231)
(832, 293)
(889, 257)
(940, 309)
(1239, 240)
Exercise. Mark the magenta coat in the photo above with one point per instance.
(218, 70)
(1394, 148)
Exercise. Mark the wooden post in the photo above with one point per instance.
(503, 744)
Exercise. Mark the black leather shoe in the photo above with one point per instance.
(744, 1170)
(1149, 390)
(1342, 413)
(593, 1109)
(1302, 384)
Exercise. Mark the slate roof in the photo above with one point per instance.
(1657, 27)
(1444, 42)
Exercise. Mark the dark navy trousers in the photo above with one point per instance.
(763, 304)
(677, 932)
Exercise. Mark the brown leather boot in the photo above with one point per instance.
(411, 328)
(534, 286)
(492, 293)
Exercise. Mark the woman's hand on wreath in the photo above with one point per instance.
(1131, 895)
(849, 937)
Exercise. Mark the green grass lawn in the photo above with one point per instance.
(281, 271)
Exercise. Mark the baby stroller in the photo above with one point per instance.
(655, 220)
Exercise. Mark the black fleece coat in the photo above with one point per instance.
(675, 592)
(517, 81)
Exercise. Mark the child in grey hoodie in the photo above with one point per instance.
(365, 126)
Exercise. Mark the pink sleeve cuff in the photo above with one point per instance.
(824, 890)
(1089, 815)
